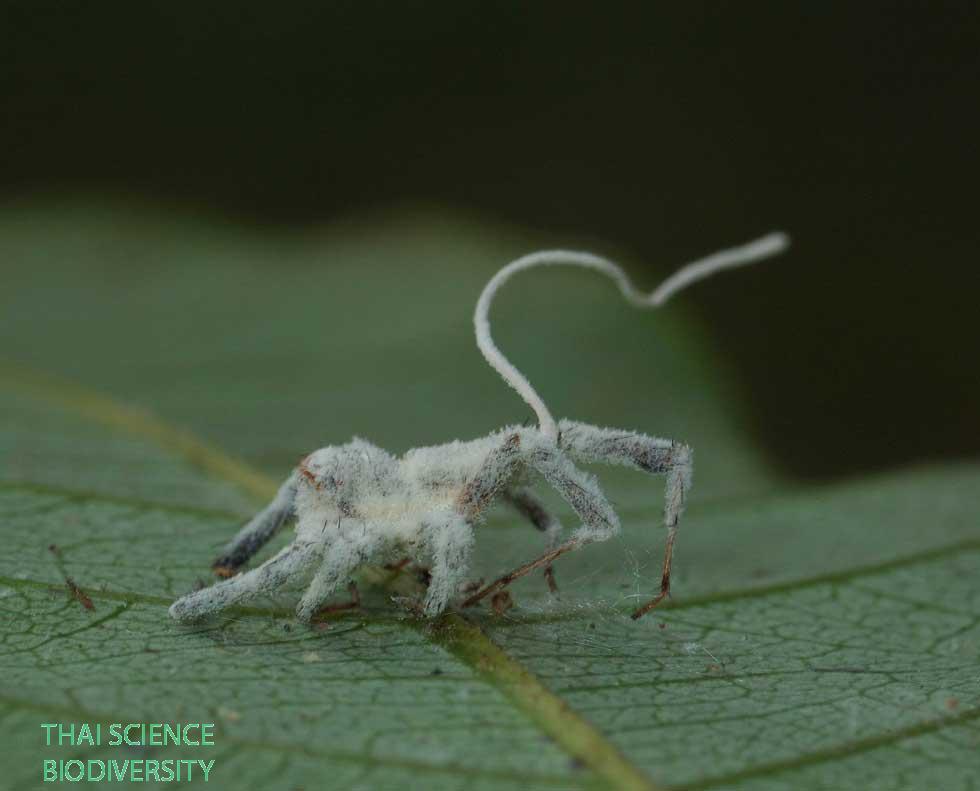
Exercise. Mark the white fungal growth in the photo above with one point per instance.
(767, 246)
(356, 503)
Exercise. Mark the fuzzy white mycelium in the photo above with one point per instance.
(356, 503)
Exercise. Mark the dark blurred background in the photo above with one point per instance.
(665, 131)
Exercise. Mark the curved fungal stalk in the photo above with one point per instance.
(769, 245)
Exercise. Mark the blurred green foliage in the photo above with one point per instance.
(664, 130)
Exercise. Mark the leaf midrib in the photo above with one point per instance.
(453, 632)
(820, 756)
(578, 737)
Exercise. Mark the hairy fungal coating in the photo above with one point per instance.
(357, 503)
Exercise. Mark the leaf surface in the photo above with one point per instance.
(820, 637)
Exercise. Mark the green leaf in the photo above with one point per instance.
(820, 637)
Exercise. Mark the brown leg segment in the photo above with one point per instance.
(501, 602)
(639, 612)
(520, 571)
(549, 576)
(651, 455)
(533, 509)
(353, 604)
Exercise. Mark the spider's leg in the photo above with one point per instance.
(352, 604)
(341, 558)
(449, 537)
(253, 536)
(528, 505)
(271, 575)
(583, 494)
(647, 454)
(497, 469)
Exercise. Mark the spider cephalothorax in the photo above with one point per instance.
(356, 503)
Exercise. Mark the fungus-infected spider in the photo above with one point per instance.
(356, 503)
